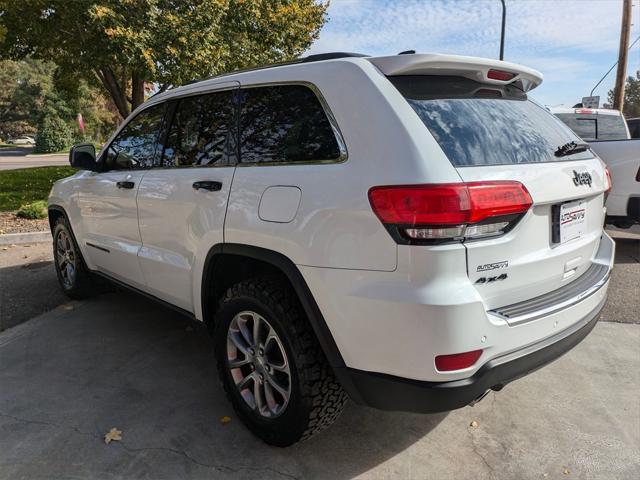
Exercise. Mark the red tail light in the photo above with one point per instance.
(457, 361)
(610, 183)
(500, 75)
(428, 212)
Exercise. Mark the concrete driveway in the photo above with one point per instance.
(70, 375)
(11, 159)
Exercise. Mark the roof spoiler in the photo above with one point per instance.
(483, 70)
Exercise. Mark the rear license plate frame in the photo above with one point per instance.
(569, 220)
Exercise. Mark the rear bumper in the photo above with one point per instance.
(387, 392)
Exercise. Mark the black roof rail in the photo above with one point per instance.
(330, 56)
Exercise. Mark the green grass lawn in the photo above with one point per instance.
(26, 185)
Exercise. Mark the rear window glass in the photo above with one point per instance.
(634, 127)
(477, 124)
(611, 127)
(584, 127)
(595, 127)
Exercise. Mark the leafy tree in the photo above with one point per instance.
(53, 135)
(32, 89)
(129, 45)
(631, 107)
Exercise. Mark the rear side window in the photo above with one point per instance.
(135, 146)
(202, 131)
(477, 124)
(284, 123)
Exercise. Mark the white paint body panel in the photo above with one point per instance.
(178, 225)
(623, 159)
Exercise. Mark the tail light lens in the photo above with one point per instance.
(610, 183)
(452, 211)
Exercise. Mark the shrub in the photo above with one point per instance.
(33, 210)
(53, 135)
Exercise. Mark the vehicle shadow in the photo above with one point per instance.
(627, 250)
(119, 360)
(26, 291)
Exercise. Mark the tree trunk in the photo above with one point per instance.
(119, 97)
(137, 90)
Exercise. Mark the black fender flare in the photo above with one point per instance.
(292, 273)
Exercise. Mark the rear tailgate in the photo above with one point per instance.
(534, 263)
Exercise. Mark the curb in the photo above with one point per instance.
(22, 238)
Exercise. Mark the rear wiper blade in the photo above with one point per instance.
(571, 148)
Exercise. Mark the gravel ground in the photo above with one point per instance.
(9, 223)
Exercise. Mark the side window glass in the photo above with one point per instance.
(135, 146)
(202, 131)
(284, 124)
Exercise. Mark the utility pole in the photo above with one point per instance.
(621, 76)
(504, 20)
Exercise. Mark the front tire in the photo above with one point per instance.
(73, 276)
(271, 365)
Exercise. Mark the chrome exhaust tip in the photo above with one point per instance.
(479, 397)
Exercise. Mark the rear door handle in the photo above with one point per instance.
(125, 184)
(210, 185)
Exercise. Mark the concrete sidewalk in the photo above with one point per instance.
(69, 376)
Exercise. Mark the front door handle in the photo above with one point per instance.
(125, 184)
(210, 185)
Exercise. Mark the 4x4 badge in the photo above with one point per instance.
(582, 178)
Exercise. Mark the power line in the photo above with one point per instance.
(612, 67)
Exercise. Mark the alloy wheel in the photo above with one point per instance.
(66, 257)
(258, 364)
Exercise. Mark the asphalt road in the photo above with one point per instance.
(70, 375)
(11, 159)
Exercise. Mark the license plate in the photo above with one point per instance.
(571, 220)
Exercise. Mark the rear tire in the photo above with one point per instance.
(74, 277)
(305, 397)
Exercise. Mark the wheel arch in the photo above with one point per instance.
(54, 212)
(214, 269)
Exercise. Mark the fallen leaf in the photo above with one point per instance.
(224, 420)
(545, 475)
(566, 471)
(67, 307)
(473, 424)
(5, 248)
(113, 435)
(26, 256)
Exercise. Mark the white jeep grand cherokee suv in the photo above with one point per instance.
(409, 231)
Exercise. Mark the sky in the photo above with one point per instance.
(572, 42)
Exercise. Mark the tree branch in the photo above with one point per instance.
(110, 83)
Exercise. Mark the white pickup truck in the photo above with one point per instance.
(608, 136)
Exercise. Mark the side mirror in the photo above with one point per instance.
(83, 156)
